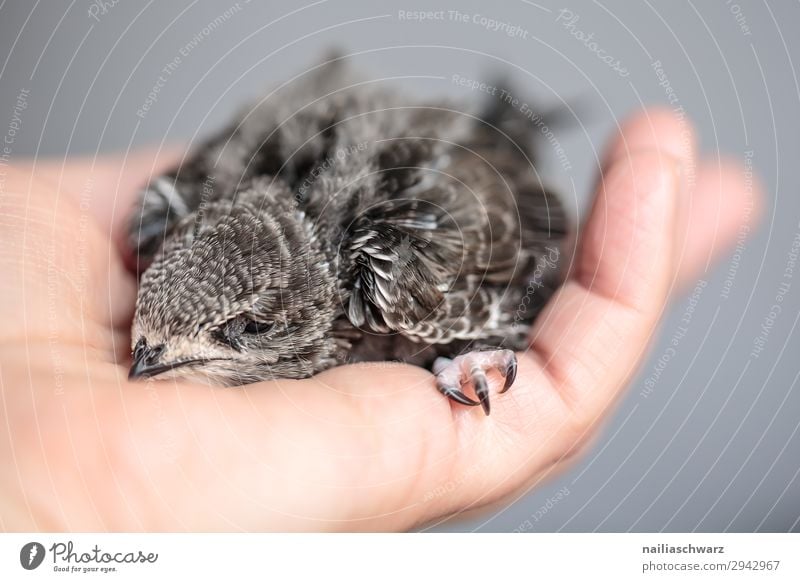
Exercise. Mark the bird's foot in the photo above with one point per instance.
(472, 366)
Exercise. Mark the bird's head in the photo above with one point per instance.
(237, 293)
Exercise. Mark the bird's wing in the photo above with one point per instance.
(446, 250)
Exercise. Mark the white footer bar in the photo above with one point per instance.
(401, 557)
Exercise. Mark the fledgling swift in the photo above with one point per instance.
(339, 221)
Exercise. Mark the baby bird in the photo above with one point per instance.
(337, 221)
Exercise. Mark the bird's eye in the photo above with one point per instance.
(233, 331)
(256, 327)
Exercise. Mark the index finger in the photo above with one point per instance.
(106, 185)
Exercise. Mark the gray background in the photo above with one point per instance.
(715, 445)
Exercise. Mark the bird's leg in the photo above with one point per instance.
(472, 366)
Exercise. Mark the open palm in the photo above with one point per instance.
(370, 446)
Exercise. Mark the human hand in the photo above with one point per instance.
(371, 446)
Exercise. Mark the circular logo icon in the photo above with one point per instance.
(31, 555)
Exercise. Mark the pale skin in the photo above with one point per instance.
(354, 448)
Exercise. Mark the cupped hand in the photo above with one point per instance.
(359, 447)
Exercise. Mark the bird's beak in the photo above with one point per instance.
(147, 362)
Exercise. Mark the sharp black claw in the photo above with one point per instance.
(459, 396)
(482, 390)
(487, 409)
(473, 366)
(510, 374)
